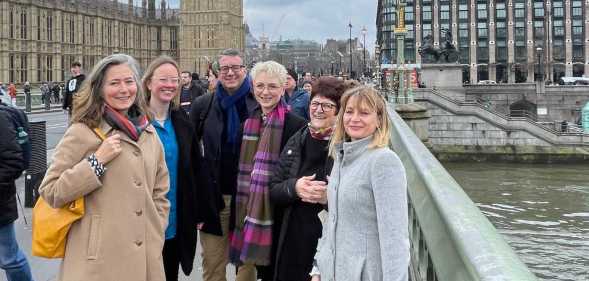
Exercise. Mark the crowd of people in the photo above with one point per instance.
(282, 179)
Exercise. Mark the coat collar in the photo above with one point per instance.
(351, 150)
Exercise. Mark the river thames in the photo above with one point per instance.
(542, 211)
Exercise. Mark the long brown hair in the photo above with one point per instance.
(368, 98)
(153, 66)
(89, 101)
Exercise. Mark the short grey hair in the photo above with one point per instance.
(271, 68)
(230, 53)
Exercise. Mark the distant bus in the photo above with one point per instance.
(573, 81)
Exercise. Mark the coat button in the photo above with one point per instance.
(139, 213)
(138, 243)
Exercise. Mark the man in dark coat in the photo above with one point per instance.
(189, 91)
(12, 259)
(73, 86)
(221, 113)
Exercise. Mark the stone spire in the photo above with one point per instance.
(144, 8)
(151, 9)
(130, 7)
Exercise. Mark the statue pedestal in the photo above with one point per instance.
(442, 76)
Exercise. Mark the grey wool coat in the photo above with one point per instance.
(366, 235)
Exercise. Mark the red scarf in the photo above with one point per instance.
(320, 133)
(132, 124)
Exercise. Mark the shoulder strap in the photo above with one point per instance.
(203, 116)
(99, 134)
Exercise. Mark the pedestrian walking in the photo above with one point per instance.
(264, 135)
(366, 180)
(212, 78)
(73, 85)
(298, 185)
(12, 259)
(27, 87)
(189, 91)
(55, 91)
(161, 83)
(12, 93)
(297, 100)
(124, 180)
(308, 87)
(45, 93)
(27, 90)
(222, 114)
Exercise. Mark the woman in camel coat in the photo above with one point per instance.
(121, 235)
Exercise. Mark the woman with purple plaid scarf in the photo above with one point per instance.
(264, 135)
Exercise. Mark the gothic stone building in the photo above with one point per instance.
(39, 39)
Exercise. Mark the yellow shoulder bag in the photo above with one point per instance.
(51, 225)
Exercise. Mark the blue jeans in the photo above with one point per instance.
(12, 259)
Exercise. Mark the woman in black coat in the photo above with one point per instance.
(299, 183)
(161, 83)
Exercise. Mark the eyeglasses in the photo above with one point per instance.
(325, 106)
(164, 80)
(271, 87)
(225, 69)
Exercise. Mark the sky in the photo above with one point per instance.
(309, 19)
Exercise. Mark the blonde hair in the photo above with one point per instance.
(153, 66)
(271, 68)
(89, 101)
(366, 97)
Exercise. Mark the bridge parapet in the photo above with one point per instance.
(451, 240)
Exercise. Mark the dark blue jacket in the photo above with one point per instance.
(298, 103)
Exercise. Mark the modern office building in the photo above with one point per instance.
(508, 41)
(39, 39)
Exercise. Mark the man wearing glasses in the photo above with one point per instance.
(222, 114)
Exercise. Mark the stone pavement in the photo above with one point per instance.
(47, 269)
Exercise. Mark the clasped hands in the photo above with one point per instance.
(311, 190)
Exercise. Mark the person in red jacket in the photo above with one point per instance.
(12, 93)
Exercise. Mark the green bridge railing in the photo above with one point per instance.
(451, 240)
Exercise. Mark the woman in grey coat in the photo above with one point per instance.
(365, 236)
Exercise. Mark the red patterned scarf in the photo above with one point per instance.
(131, 124)
(320, 133)
(251, 240)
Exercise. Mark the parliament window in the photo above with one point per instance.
(23, 24)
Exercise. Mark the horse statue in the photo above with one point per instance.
(427, 51)
(431, 54)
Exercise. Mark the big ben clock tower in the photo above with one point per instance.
(206, 28)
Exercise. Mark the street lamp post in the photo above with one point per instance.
(350, 72)
(364, 31)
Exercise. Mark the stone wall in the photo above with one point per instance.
(561, 102)
(445, 128)
(468, 137)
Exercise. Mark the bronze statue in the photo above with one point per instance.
(431, 54)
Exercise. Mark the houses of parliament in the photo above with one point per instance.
(39, 39)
